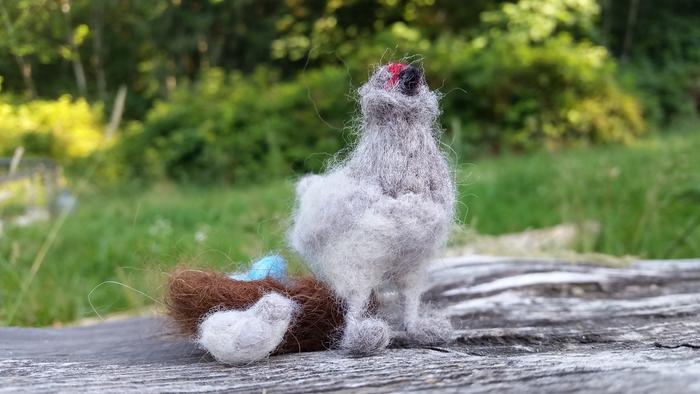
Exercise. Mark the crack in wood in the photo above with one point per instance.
(677, 346)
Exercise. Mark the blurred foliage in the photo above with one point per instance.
(534, 77)
(242, 90)
(240, 127)
(529, 81)
(64, 129)
(657, 44)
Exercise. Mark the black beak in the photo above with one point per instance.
(410, 79)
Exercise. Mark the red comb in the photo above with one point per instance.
(394, 69)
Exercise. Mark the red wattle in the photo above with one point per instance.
(395, 69)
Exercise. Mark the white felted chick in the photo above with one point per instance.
(379, 216)
(240, 337)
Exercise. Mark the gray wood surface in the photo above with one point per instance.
(524, 326)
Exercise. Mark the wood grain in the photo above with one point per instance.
(524, 326)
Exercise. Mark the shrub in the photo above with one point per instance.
(525, 96)
(239, 128)
(533, 78)
(63, 129)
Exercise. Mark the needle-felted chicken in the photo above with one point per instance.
(372, 221)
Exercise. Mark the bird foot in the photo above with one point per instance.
(365, 337)
(433, 330)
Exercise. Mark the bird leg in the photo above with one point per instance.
(363, 335)
(421, 329)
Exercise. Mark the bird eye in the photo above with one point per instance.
(409, 80)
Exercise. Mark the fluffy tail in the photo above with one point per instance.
(219, 312)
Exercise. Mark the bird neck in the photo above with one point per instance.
(395, 154)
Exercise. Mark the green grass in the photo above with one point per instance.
(646, 197)
(135, 239)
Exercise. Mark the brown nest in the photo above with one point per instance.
(192, 294)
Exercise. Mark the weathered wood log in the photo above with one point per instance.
(525, 326)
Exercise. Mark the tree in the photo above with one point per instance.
(75, 37)
(25, 67)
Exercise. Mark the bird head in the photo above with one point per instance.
(399, 92)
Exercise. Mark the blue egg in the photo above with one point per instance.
(273, 266)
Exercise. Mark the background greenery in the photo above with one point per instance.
(554, 110)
